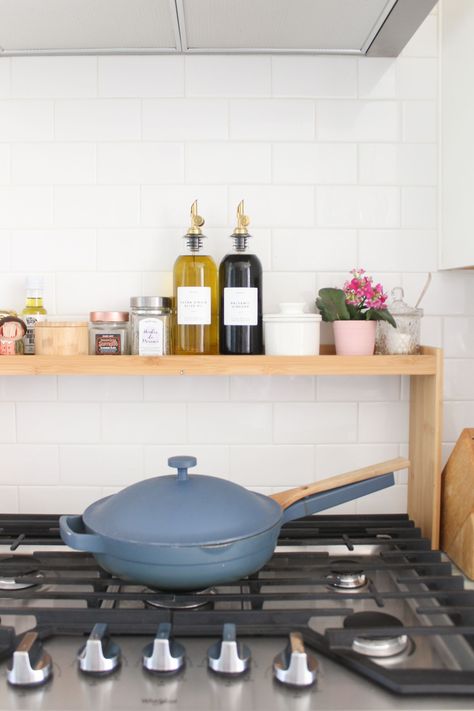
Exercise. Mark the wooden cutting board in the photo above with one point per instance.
(291, 496)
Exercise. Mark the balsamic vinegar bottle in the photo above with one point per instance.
(240, 286)
(195, 295)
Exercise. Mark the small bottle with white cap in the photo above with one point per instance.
(34, 310)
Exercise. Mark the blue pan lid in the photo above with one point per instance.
(182, 510)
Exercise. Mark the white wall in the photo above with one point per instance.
(336, 158)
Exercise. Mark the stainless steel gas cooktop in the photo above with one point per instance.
(350, 613)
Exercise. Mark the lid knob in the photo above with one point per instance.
(182, 463)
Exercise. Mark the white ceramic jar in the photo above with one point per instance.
(292, 331)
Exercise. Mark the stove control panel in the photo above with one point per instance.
(30, 665)
(164, 654)
(228, 656)
(294, 666)
(99, 655)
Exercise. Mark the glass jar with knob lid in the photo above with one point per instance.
(405, 339)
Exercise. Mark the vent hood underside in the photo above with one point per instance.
(363, 27)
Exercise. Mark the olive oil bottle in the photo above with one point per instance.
(195, 295)
(34, 310)
(240, 284)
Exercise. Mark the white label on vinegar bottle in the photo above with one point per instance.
(194, 305)
(150, 337)
(240, 306)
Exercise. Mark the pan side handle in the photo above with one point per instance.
(327, 499)
(72, 533)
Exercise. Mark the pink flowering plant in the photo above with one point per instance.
(359, 300)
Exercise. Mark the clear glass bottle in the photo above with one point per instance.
(108, 333)
(34, 310)
(240, 286)
(405, 339)
(196, 296)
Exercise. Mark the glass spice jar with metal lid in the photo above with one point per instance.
(108, 333)
(150, 325)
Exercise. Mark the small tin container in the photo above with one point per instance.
(108, 333)
(150, 325)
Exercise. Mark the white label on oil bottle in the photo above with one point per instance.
(194, 305)
(150, 337)
(240, 306)
(29, 337)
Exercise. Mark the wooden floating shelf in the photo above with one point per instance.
(424, 364)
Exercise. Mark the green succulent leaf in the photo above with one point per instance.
(381, 315)
(332, 305)
(354, 313)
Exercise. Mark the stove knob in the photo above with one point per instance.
(294, 666)
(228, 656)
(31, 665)
(163, 654)
(99, 655)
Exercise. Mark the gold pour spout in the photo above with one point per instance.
(196, 221)
(243, 220)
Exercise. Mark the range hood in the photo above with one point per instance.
(361, 27)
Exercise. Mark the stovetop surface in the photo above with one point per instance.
(396, 574)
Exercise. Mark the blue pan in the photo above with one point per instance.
(189, 532)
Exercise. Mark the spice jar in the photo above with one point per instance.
(405, 339)
(150, 325)
(108, 333)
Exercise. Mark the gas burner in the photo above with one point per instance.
(346, 575)
(183, 601)
(13, 567)
(374, 646)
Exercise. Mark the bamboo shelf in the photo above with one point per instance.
(425, 371)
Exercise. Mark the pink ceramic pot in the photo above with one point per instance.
(354, 337)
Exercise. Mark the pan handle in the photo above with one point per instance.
(71, 529)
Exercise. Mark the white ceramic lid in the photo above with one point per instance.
(292, 312)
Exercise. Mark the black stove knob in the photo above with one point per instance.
(99, 655)
(30, 665)
(164, 654)
(294, 666)
(229, 656)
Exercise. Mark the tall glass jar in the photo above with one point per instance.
(108, 333)
(405, 338)
(150, 325)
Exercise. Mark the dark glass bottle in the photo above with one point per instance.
(240, 286)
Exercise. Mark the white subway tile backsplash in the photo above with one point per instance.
(108, 388)
(100, 465)
(183, 388)
(288, 286)
(417, 78)
(383, 422)
(268, 388)
(309, 423)
(459, 379)
(81, 292)
(357, 121)
(272, 465)
(314, 76)
(97, 120)
(53, 250)
(229, 423)
(97, 206)
(29, 465)
(27, 388)
(357, 206)
(5, 250)
(418, 164)
(185, 119)
(271, 120)
(274, 205)
(7, 422)
(392, 500)
(12, 207)
(53, 163)
(402, 250)
(326, 163)
(141, 76)
(360, 388)
(12, 291)
(420, 121)
(57, 499)
(140, 163)
(424, 42)
(57, 422)
(228, 162)
(26, 120)
(332, 459)
(144, 423)
(457, 416)
(45, 77)
(450, 292)
(168, 206)
(236, 75)
(378, 163)
(458, 339)
(5, 172)
(419, 208)
(9, 498)
(5, 78)
(377, 78)
(314, 250)
(153, 249)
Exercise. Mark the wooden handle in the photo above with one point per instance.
(291, 496)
